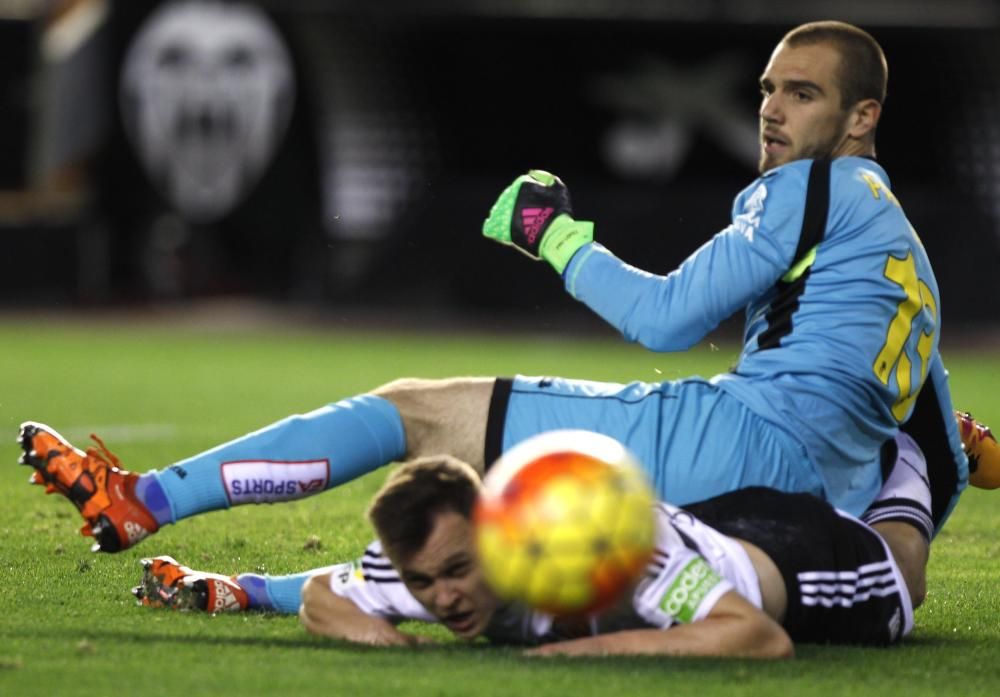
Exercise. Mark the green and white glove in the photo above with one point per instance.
(534, 216)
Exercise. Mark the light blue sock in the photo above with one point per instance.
(293, 458)
(275, 593)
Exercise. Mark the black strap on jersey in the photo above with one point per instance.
(496, 420)
(793, 284)
(817, 209)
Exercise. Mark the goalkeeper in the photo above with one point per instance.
(840, 349)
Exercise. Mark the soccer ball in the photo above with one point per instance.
(564, 523)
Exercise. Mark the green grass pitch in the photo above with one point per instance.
(69, 626)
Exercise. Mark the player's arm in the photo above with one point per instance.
(325, 613)
(663, 312)
(734, 627)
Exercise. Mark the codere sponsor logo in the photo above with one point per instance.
(685, 594)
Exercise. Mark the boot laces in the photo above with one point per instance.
(102, 453)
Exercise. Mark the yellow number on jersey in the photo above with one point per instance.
(893, 354)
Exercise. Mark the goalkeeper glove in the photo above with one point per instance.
(534, 216)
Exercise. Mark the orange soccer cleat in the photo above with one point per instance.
(983, 451)
(94, 481)
(166, 583)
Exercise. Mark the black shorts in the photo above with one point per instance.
(843, 585)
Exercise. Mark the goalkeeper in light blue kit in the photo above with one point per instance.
(840, 351)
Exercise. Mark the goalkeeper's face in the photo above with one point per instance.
(445, 577)
(801, 111)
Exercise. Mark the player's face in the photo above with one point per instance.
(445, 577)
(801, 115)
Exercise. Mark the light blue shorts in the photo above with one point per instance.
(694, 440)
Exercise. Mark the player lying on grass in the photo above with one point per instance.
(742, 574)
(840, 344)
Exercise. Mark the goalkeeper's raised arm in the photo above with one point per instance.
(672, 311)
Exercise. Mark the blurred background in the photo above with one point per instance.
(340, 155)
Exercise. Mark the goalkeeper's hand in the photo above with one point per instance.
(534, 215)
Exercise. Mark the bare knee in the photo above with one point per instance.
(445, 416)
(910, 550)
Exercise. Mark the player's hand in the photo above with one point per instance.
(534, 215)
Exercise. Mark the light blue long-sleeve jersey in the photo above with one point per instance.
(837, 351)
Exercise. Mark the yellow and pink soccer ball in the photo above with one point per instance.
(565, 523)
